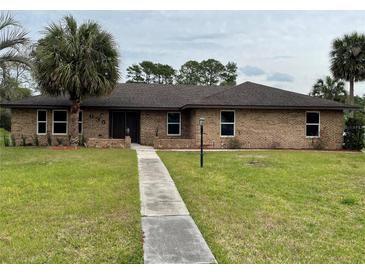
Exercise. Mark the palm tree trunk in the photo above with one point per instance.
(74, 119)
(351, 94)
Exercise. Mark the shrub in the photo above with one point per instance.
(59, 141)
(5, 119)
(49, 139)
(234, 143)
(354, 134)
(23, 143)
(82, 140)
(13, 142)
(317, 144)
(35, 140)
(6, 140)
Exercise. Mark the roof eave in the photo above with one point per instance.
(345, 107)
(33, 106)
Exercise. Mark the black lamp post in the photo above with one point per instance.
(201, 123)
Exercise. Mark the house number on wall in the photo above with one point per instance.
(97, 118)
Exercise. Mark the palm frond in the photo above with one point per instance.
(7, 20)
(12, 38)
(14, 56)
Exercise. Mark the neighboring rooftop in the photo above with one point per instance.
(155, 96)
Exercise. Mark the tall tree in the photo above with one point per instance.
(76, 61)
(135, 74)
(189, 73)
(164, 74)
(211, 72)
(348, 60)
(149, 72)
(12, 39)
(329, 88)
(207, 72)
(229, 75)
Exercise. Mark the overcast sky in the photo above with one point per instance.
(288, 50)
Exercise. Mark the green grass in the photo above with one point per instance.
(276, 206)
(69, 206)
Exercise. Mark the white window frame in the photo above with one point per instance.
(38, 110)
(173, 123)
(53, 121)
(227, 123)
(313, 124)
(82, 123)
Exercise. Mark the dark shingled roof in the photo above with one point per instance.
(154, 96)
(252, 95)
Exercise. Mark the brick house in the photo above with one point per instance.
(167, 116)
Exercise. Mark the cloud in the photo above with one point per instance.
(280, 77)
(280, 57)
(199, 37)
(252, 71)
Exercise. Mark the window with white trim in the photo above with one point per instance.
(60, 122)
(81, 117)
(174, 123)
(41, 122)
(227, 123)
(312, 124)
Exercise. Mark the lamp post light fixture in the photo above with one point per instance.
(201, 123)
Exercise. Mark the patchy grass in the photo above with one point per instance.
(69, 206)
(276, 206)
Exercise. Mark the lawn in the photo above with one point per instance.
(276, 206)
(69, 206)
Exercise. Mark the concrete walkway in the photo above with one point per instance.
(170, 234)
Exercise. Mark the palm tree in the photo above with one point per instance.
(12, 39)
(76, 61)
(348, 60)
(329, 88)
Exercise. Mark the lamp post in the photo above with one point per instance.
(201, 123)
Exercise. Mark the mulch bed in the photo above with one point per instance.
(63, 148)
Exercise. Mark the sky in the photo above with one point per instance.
(284, 49)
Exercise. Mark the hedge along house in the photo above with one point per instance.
(167, 116)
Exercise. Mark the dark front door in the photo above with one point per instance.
(118, 124)
(122, 122)
(132, 123)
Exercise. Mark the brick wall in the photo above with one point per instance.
(154, 124)
(175, 143)
(24, 123)
(96, 123)
(254, 128)
(272, 129)
(109, 143)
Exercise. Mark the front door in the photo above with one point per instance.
(118, 124)
(121, 122)
(132, 123)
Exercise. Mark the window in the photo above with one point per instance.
(312, 124)
(174, 123)
(227, 123)
(41, 122)
(59, 122)
(80, 122)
